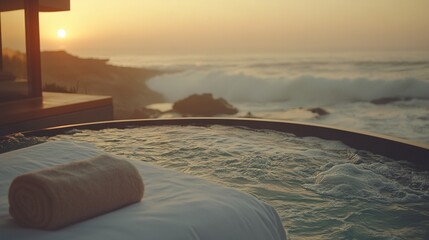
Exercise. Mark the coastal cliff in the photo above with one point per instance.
(126, 85)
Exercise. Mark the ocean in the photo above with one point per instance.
(286, 86)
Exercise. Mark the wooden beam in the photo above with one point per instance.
(32, 40)
(1, 48)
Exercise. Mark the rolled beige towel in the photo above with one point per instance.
(55, 197)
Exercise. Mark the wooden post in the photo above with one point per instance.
(32, 41)
(1, 48)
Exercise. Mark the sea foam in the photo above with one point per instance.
(244, 87)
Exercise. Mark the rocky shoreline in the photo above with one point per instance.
(126, 85)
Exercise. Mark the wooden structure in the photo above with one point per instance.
(23, 105)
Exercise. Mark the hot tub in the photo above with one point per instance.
(325, 183)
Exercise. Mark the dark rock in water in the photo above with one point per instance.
(319, 111)
(387, 100)
(249, 115)
(203, 105)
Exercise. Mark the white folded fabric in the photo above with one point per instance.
(65, 194)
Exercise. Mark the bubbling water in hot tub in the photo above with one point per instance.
(321, 189)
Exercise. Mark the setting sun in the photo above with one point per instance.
(61, 33)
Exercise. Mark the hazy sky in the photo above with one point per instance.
(102, 27)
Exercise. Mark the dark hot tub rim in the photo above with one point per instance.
(395, 148)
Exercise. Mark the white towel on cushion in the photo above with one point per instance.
(56, 197)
